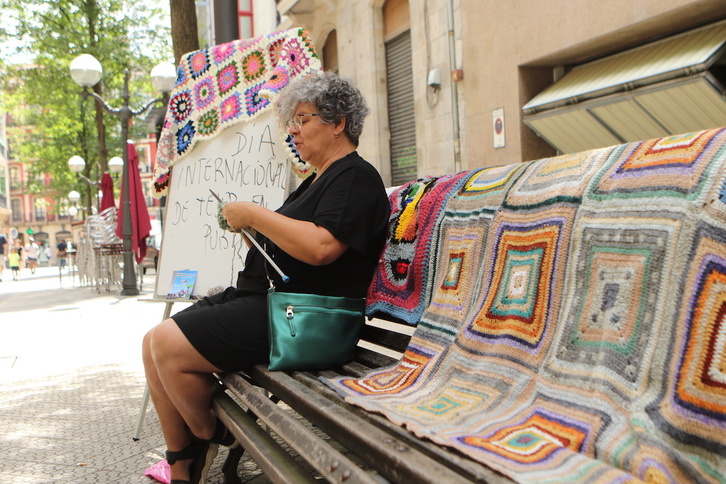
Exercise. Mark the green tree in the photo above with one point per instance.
(43, 100)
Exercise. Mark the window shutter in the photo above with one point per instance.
(400, 109)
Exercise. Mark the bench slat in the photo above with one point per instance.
(472, 470)
(396, 460)
(272, 459)
(365, 359)
(384, 337)
(327, 461)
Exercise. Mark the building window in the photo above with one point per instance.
(246, 26)
(41, 211)
(15, 181)
(3, 187)
(17, 208)
(144, 152)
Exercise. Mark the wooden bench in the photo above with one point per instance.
(370, 448)
(569, 324)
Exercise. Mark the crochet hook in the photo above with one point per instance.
(256, 244)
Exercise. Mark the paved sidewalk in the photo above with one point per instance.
(72, 384)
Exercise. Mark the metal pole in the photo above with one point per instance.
(130, 288)
(454, 90)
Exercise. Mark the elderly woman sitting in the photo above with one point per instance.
(326, 237)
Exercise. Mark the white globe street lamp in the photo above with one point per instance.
(86, 71)
(163, 76)
(74, 197)
(76, 164)
(116, 165)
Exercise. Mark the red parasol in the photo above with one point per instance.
(139, 213)
(107, 200)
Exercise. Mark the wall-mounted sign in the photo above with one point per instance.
(498, 128)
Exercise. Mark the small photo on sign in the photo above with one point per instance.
(182, 285)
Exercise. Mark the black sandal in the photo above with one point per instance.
(188, 452)
(202, 454)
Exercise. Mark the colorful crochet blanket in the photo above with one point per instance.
(575, 323)
(398, 290)
(228, 84)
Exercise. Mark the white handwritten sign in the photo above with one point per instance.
(245, 162)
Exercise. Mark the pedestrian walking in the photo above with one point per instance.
(62, 253)
(3, 248)
(14, 261)
(32, 250)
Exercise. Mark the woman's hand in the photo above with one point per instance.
(302, 240)
(239, 214)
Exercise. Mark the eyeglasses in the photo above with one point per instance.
(297, 120)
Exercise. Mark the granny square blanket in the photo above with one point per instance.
(398, 288)
(574, 327)
(227, 84)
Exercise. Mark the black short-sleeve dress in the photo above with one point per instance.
(349, 199)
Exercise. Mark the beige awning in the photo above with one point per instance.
(668, 87)
(295, 6)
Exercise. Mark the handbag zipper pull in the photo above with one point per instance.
(290, 313)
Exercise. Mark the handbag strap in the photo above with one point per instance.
(267, 256)
(267, 270)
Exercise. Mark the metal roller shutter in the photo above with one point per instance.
(400, 109)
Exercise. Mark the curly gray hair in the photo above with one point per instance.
(334, 97)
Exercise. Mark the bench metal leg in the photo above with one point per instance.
(231, 463)
(277, 465)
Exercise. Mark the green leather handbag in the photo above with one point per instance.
(312, 332)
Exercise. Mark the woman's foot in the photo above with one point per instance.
(196, 458)
(180, 462)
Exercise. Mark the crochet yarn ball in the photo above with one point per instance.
(220, 218)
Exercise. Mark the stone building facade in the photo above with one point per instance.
(447, 80)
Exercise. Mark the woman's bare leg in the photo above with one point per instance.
(181, 387)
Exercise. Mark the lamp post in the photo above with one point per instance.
(74, 197)
(86, 72)
(78, 164)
